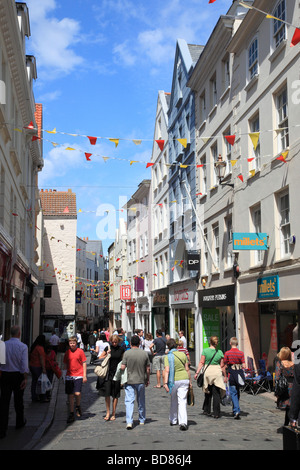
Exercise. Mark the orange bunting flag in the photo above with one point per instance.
(87, 156)
(241, 178)
(295, 38)
(149, 164)
(230, 139)
(161, 144)
(92, 140)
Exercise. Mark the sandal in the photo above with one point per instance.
(113, 418)
(106, 418)
(157, 386)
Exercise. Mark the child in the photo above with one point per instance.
(75, 365)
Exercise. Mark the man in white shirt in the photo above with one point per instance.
(54, 341)
(182, 338)
(13, 380)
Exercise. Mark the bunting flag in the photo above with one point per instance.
(52, 132)
(137, 142)
(66, 210)
(230, 139)
(183, 166)
(199, 166)
(160, 143)
(35, 137)
(30, 126)
(211, 1)
(70, 148)
(87, 156)
(295, 38)
(283, 156)
(115, 141)
(149, 164)
(250, 159)
(92, 140)
(183, 142)
(105, 158)
(205, 139)
(241, 178)
(252, 172)
(133, 161)
(254, 136)
(233, 162)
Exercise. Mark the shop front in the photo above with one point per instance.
(183, 312)
(160, 311)
(271, 320)
(217, 307)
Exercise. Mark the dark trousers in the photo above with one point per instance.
(215, 396)
(11, 383)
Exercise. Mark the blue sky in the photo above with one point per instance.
(100, 66)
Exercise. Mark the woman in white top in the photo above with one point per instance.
(101, 345)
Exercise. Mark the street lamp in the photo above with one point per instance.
(220, 168)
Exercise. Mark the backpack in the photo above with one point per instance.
(281, 390)
(125, 345)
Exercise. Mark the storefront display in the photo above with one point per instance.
(160, 311)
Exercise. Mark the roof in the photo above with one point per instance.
(39, 118)
(62, 203)
(195, 51)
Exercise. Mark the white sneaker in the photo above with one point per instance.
(129, 426)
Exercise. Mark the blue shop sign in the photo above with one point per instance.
(249, 241)
(268, 287)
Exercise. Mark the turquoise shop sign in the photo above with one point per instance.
(268, 287)
(249, 241)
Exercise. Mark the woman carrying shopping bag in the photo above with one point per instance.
(177, 380)
(37, 366)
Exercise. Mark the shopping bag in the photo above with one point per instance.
(43, 385)
(190, 396)
(227, 400)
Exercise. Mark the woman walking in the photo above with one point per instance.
(108, 387)
(177, 379)
(37, 365)
(213, 385)
(285, 366)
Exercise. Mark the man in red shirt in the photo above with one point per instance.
(75, 366)
(234, 360)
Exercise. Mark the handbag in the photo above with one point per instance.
(281, 389)
(200, 379)
(190, 396)
(102, 369)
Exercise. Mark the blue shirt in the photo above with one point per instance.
(16, 356)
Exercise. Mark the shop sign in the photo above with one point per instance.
(220, 296)
(161, 298)
(193, 261)
(211, 324)
(130, 307)
(139, 284)
(182, 295)
(125, 292)
(268, 287)
(249, 241)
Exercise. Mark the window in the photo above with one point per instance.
(216, 245)
(202, 107)
(203, 175)
(214, 154)
(282, 119)
(256, 223)
(226, 72)
(213, 91)
(284, 218)
(229, 241)
(279, 28)
(205, 267)
(253, 59)
(48, 291)
(254, 127)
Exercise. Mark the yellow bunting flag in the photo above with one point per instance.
(133, 161)
(183, 142)
(252, 172)
(105, 158)
(270, 17)
(205, 139)
(183, 166)
(116, 141)
(254, 136)
(137, 142)
(54, 144)
(233, 162)
(52, 132)
(69, 148)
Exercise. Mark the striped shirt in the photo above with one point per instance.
(234, 356)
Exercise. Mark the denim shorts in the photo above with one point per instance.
(73, 385)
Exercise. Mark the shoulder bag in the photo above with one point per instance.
(102, 369)
(200, 379)
(281, 390)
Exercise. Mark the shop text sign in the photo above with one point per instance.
(268, 287)
(182, 295)
(249, 241)
(125, 293)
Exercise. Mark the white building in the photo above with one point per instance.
(20, 161)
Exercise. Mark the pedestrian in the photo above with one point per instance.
(124, 343)
(79, 340)
(213, 386)
(177, 379)
(107, 333)
(294, 415)
(101, 344)
(284, 365)
(147, 343)
(37, 366)
(181, 348)
(234, 361)
(85, 340)
(50, 361)
(158, 356)
(75, 366)
(137, 363)
(108, 387)
(92, 340)
(182, 338)
(54, 341)
(14, 375)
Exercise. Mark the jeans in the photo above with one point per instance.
(235, 396)
(130, 391)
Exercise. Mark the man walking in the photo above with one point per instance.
(138, 373)
(13, 380)
(234, 360)
(158, 356)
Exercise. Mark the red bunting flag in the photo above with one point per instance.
(66, 210)
(118, 259)
(199, 166)
(230, 139)
(92, 140)
(211, 1)
(295, 38)
(149, 164)
(35, 137)
(161, 144)
(199, 194)
(250, 159)
(281, 158)
(241, 178)
(30, 126)
(87, 156)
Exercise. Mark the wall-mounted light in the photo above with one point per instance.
(203, 281)
(220, 168)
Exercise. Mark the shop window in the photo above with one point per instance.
(48, 291)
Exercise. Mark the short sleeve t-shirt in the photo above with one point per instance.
(160, 345)
(179, 363)
(136, 361)
(209, 352)
(74, 361)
